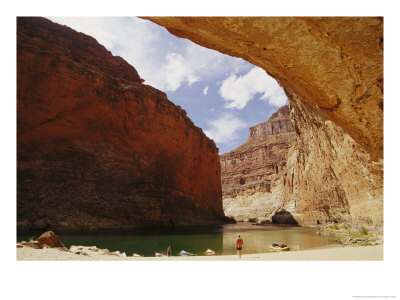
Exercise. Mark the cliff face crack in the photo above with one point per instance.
(62, 115)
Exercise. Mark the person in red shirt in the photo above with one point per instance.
(239, 245)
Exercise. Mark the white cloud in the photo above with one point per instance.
(238, 91)
(154, 52)
(177, 71)
(205, 91)
(90, 26)
(224, 129)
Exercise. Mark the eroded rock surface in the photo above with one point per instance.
(332, 72)
(249, 173)
(50, 239)
(329, 176)
(98, 149)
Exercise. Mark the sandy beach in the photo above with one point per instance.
(338, 253)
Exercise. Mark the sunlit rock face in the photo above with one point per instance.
(99, 149)
(329, 176)
(332, 72)
(249, 173)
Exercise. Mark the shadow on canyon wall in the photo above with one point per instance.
(284, 217)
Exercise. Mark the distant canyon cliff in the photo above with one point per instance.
(250, 172)
(332, 72)
(97, 148)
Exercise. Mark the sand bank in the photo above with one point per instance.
(372, 253)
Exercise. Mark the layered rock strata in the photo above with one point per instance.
(97, 148)
(329, 176)
(249, 172)
(332, 72)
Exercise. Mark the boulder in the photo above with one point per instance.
(31, 244)
(50, 239)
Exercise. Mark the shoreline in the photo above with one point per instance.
(329, 253)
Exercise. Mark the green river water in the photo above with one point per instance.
(196, 240)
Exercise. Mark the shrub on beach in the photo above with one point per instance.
(334, 226)
(363, 231)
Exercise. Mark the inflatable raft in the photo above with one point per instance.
(279, 247)
(209, 252)
(184, 253)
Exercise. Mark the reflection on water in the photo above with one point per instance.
(197, 239)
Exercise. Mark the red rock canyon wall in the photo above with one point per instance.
(97, 148)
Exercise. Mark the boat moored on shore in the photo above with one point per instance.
(279, 247)
(184, 253)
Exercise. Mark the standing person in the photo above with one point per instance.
(239, 245)
(169, 251)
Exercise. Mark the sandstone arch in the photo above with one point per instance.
(332, 72)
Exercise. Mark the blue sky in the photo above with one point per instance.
(223, 95)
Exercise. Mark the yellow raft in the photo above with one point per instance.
(279, 247)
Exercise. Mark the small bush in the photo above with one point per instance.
(334, 226)
(365, 243)
(363, 231)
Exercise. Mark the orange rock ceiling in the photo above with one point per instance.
(332, 72)
(335, 64)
